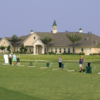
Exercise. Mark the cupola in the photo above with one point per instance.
(54, 27)
(80, 30)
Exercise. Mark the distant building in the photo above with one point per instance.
(61, 44)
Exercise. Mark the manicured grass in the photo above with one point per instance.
(34, 83)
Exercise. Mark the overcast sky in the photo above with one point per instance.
(20, 16)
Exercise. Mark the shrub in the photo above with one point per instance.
(66, 53)
(81, 53)
(95, 54)
(51, 52)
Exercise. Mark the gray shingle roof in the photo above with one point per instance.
(60, 39)
(22, 38)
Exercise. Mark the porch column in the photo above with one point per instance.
(37, 49)
(34, 49)
(42, 49)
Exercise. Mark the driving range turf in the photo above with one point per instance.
(49, 83)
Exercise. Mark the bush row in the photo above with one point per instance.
(95, 54)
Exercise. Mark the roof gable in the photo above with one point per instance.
(29, 40)
(5, 42)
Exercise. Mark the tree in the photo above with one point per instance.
(46, 40)
(0, 38)
(74, 38)
(9, 48)
(14, 39)
(23, 49)
(2, 48)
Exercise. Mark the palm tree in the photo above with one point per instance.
(46, 40)
(14, 39)
(74, 38)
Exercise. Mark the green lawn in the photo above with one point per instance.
(34, 83)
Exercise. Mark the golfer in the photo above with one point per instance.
(14, 59)
(60, 62)
(18, 61)
(81, 63)
(10, 59)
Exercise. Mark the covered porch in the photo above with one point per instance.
(38, 47)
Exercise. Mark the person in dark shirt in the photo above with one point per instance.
(81, 64)
(60, 62)
(18, 61)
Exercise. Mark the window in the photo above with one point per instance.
(68, 50)
(29, 49)
(59, 50)
(34, 37)
(82, 49)
(51, 50)
(17, 49)
(64, 50)
(55, 50)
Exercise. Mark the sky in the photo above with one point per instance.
(18, 17)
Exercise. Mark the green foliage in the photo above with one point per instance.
(95, 54)
(0, 38)
(66, 53)
(74, 38)
(9, 48)
(47, 40)
(24, 83)
(81, 53)
(52, 52)
(23, 49)
(14, 39)
(2, 48)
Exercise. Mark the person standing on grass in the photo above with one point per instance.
(14, 59)
(10, 58)
(18, 61)
(81, 63)
(60, 62)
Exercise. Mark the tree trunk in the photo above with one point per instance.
(73, 48)
(14, 48)
(47, 49)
